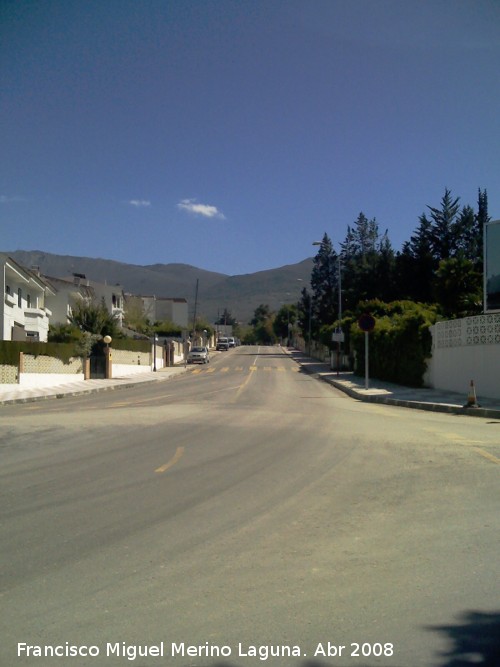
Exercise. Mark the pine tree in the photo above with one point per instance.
(444, 227)
(466, 234)
(482, 218)
(368, 264)
(324, 283)
(383, 279)
(416, 264)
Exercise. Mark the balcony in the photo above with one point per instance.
(34, 312)
(10, 300)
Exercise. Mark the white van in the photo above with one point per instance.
(222, 344)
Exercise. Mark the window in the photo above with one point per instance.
(28, 300)
(19, 297)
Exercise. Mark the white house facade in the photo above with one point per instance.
(70, 291)
(24, 314)
(65, 297)
(159, 309)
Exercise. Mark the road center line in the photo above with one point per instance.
(487, 455)
(178, 454)
(241, 387)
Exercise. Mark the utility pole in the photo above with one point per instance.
(195, 307)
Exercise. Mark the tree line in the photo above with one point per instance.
(441, 264)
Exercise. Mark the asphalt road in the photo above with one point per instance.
(247, 508)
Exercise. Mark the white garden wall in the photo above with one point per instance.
(464, 350)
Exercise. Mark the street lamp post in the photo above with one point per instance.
(155, 339)
(107, 357)
(310, 326)
(339, 340)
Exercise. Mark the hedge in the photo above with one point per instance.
(10, 349)
(400, 344)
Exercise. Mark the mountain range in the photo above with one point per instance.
(212, 292)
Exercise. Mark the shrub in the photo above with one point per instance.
(399, 345)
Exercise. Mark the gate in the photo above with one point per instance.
(97, 366)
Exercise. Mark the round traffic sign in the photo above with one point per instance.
(366, 322)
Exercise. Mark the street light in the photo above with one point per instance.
(107, 357)
(155, 339)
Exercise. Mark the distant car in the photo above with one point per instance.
(198, 355)
(222, 344)
(232, 342)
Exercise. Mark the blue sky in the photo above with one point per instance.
(230, 135)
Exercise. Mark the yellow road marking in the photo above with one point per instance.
(173, 460)
(241, 387)
(134, 402)
(487, 455)
(460, 439)
(253, 368)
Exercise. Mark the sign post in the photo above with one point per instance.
(366, 323)
(338, 337)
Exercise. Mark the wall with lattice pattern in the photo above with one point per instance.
(8, 374)
(464, 350)
(44, 364)
(480, 330)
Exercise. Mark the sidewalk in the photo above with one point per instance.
(14, 393)
(393, 394)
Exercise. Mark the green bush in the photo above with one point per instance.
(10, 349)
(400, 344)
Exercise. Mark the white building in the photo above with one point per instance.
(24, 314)
(65, 297)
(160, 309)
(111, 295)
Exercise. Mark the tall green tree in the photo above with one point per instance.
(262, 323)
(458, 287)
(285, 320)
(226, 318)
(445, 228)
(415, 265)
(324, 283)
(368, 264)
(383, 270)
(305, 313)
(482, 218)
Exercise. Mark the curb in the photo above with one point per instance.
(92, 390)
(489, 413)
(417, 405)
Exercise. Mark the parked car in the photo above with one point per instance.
(231, 341)
(222, 344)
(198, 355)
